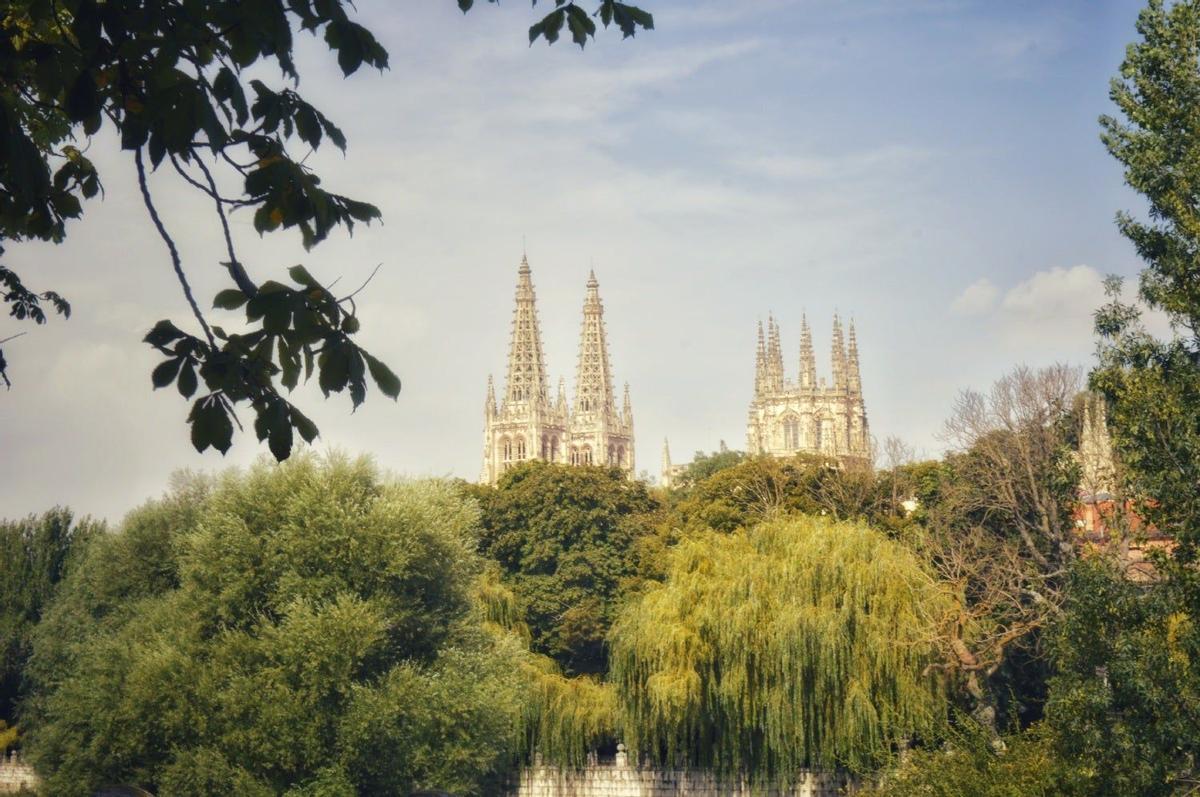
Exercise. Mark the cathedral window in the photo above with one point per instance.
(521, 448)
(506, 444)
(826, 440)
(791, 433)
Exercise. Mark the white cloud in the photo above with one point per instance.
(976, 299)
(1056, 293)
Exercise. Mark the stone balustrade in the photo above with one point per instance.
(16, 775)
(620, 778)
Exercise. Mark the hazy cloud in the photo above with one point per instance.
(879, 163)
(976, 299)
(1056, 293)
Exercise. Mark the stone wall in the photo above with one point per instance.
(619, 778)
(16, 776)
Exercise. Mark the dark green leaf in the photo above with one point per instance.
(187, 380)
(387, 381)
(300, 275)
(229, 299)
(164, 373)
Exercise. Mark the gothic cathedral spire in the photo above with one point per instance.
(774, 355)
(760, 363)
(808, 362)
(529, 425)
(593, 377)
(838, 354)
(853, 376)
(526, 360)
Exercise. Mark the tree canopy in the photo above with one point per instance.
(299, 629)
(571, 542)
(797, 643)
(35, 556)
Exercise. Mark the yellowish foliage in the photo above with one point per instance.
(801, 642)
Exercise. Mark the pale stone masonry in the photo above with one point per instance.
(527, 424)
(1097, 469)
(807, 416)
(17, 776)
(620, 778)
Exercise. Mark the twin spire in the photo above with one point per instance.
(528, 425)
(528, 376)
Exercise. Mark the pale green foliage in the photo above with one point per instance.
(565, 718)
(801, 642)
(312, 631)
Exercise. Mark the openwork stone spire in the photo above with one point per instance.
(808, 361)
(838, 354)
(760, 363)
(774, 356)
(593, 380)
(528, 424)
(526, 360)
(1097, 468)
(853, 376)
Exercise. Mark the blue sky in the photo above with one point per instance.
(932, 169)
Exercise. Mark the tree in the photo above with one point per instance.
(1001, 534)
(969, 766)
(704, 465)
(571, 542)
(171, 79)
(798, 643)
(766, 488)
(1125, 699)
(1153, 387)
(35, 556)
(299, 629)
(1015, 442)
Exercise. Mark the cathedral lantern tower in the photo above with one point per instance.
(808, 416)
(528, 424)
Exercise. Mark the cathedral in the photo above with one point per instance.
(808, 416)
(528, 425)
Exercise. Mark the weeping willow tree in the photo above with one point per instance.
(562, 718)
(566, 717)
(799, 643)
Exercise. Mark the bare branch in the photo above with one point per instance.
(175, 260)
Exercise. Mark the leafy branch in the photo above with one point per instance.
(171, 79)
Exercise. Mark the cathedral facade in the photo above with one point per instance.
(808, 416)
(527, 424)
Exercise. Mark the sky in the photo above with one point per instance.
(931, 169)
